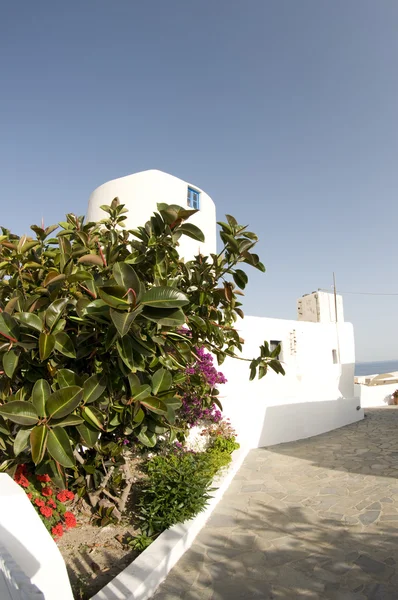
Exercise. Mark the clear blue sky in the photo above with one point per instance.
(285, 112)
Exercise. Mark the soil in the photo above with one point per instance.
(94, 555)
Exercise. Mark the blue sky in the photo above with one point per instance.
(285, 112)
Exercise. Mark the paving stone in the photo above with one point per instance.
(369, 565)
(369, 517)
(314, 519)
(258, 487)
(380, 591)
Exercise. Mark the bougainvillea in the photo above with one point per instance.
(199, 398)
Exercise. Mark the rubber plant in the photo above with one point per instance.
(90, 332)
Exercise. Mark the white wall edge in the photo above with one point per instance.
(143, 576)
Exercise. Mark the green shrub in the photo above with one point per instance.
(178, 488)
(179, 485)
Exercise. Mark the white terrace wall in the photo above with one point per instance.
(313, 397)
(375, 395)
(142, 191)
(27, 541)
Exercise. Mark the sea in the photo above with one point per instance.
(371, 368)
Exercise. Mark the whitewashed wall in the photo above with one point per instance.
(142, 191)
(314, 396)
(375, 395)
(25, 538)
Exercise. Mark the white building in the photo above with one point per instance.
(318, 354)
(316, 394)
(141, 193)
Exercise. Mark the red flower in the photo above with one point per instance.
(29, 496)
(19, 476)
(21, 480)
(65, 495)
(39, 502)
(46, 511)
(47, 491)
(51, 503)
(43, 478)
(57, 531)
(70, 520)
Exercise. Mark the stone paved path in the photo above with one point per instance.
(314, 519)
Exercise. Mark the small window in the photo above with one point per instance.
(193, 199)
(334, 354)
(273, 345)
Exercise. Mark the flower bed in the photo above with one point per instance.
(110, 415)
(172, 485)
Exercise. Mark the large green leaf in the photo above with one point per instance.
(67, 421)
(46, 345)
(134, 382)
(21, 440)
(93, 416)
(29, 320)
(64, 344)
(58, 445)
(125, 351)
(93, 387)
(55, 471)
(8, 327)
(147, 439)
(154, 405)
(169, 317)
(139, 416)
(122, 320)
(144, 391)
(145, 348)
(88, 434)
(19, 411)
(53, 277)
(91, 259)
(80, 276)
(173, 401)
(97, 309)
(230, 242)
(192, 231)
(41, 391)
(64, 401)
(114, 296)
(38, 442)
(172, 212)
(127, 278)
(55, 310)
(10, 362)
(240, 278)
(66, 377)
(161, 381)
(164, 297)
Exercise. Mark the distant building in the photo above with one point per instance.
(142, 191)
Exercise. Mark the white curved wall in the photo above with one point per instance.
(313, 397)
(24, 536)
(142, 191)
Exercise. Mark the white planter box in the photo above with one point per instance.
(142, 577)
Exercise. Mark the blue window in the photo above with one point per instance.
(193, 198)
